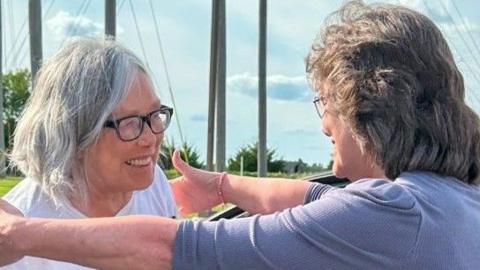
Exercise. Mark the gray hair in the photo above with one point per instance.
(392, 77)
(75, 92)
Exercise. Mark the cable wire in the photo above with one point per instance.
(165, 67)
(45, 14)
(459, 32)
(474, 42)
(459, 55)
(120, 6)
(14, 62)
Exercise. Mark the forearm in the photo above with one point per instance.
(264, 195)
(135, 242)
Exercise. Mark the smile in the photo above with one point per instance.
(139, 162)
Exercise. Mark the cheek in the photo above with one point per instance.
(346, 151)
(349, 160)
(108, 151)
(339, 158)
(159, 141)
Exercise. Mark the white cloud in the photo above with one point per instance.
(65, 25)
(460, 27)
(279, 87)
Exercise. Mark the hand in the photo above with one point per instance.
(9, 217)
(195, 190)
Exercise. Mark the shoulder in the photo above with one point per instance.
(366, 198)
(373, 215)
(29, 198)
(379, 192)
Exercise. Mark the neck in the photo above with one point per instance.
(371, 170)
(100, 204)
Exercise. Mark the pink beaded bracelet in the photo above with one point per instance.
(219, 187)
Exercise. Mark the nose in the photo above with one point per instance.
(147, 137)
(325, 128)
(326, 132)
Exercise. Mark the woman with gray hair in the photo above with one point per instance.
(89, 139)
(391, 99)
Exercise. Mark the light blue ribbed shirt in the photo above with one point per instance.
(419, 221)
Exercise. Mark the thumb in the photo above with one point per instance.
(179, 164)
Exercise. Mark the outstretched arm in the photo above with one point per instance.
(197, 190)
(264, 195)
(134, 242)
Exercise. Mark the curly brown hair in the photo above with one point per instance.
(392, 77)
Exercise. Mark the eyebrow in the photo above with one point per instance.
(155, 106)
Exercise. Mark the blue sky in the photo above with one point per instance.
(293, 126)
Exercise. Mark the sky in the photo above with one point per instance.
(293, 129)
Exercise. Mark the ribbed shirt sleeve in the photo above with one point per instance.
(315, 192)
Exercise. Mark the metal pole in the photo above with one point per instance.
(35, 26)
(262, 90)
(110, 18)
(220, 87)
(211, 91)
(2, 130)
(241, 165)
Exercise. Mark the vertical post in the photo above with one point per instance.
(110, 18)
(241, 165)
(262, 90)
(220, 87)
(211, 91)
(35, 26)
(2, 130)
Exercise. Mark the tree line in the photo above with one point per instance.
(249, 155)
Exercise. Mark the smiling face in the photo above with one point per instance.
(348, 159)
(115, 166)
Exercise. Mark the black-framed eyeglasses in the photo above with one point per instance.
(131, 127)
(320, 103)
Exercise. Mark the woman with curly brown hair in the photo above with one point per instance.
(392, 101)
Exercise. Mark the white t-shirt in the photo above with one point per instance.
(28, 197)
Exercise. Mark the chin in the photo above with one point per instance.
(339, 172)
(141, 184)
(142, 180)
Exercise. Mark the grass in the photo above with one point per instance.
(8, 183)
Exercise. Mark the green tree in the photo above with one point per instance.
(316, 167)
(15, 85)
(188, 152)
(249, 154)
(330, 165)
